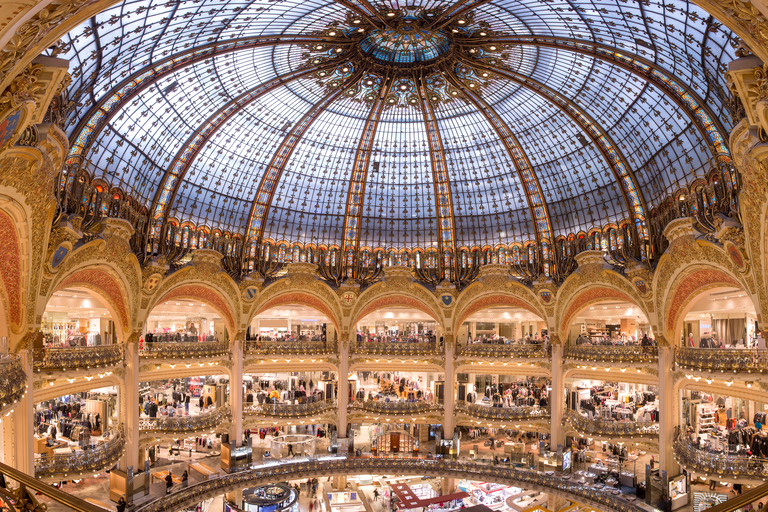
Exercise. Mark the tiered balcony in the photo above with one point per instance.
(487, 413)
(289, 410)
(397, 348)
(718, 464)
(13, 381)
(394, 408)
(307, 348)
(93, 460)
(631, 354)
(506, 350)
(184, 350)
(184, 424)
(77, 358)
(722, 360)
(600, 427)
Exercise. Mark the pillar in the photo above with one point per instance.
(130, 405)
(343, 398)
(447, 486)
(236, 389)
(557, 400)
(19, 427)
(667, 406)
(450, 387)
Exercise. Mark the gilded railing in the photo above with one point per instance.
(500, 413)
(77, 358)
(613, 353)
(93, 459)
(722, 359)
(251, 476)
(182, 350)
(289, 410)
(397, 348)
(610, 428)
(710, 463)
(13, 380)
(290, 347)
(515, 350)
(378, 407)
(172, 424)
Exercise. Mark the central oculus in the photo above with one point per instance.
(407, 44)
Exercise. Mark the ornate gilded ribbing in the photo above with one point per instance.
(94, 459)
(181, 350)
(185, 424)
(610, 428)
(13, 381)
(612, 353)
(486, 412)
(721, 360)
(77, 358)
(288, 410)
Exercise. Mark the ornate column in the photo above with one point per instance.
(557, 400)
(667, 399)
(449, 392)
(343, 398)
(236, 388)
(19, 427)
(129, 412)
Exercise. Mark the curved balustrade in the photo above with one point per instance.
(710, 463)
(289, 410)
(77, 358)
(290, 347)
(94, 459)
(439, 468)
(378, 407)
(395, 348)
(173, 424)
(610, 428)
(182, 350)
(722, 359)
(13, 380)
(613, 353)
(515, 350)
(500, 413)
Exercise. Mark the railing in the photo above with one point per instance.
(289, 410)
(77, 358)
(181, 350)
(13, 380)
(613, 353)
(395, 348)
(710, 463)
(722, 359)
(290, 347)
(516, 350)
(185, 423)
(94, 459)
(252, 476)
(610, 428)
(500, 413)
(378, 407)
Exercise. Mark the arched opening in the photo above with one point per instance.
(79, 317)
(722, 317)
(502, 325)
(398, 324)
(184, 320)
(291, 322)
(609, 323)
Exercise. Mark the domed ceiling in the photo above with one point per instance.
(426, 124)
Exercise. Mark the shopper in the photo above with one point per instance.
(120, 505)
(712, 485)
(168, 482)
(375, 495)
(184, 478)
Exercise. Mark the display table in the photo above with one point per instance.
(598, 469)
(628, 480)
(514, 447)
(160, 475)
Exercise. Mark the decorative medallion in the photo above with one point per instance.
(641, 286)
(9, 125)
(736, 256)
(58, 256)
(546, 296)
(152, 282)
(250, 293)
(447, 299)
(348, 298)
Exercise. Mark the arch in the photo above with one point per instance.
(295, 297)
(99, 280)
(60, 389)
(394, 299)
(10, 272)
(592, 295)
(202, 291)
(166, 372)
(495, 299)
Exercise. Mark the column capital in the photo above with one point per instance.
(556, 340)
(133, 338)
(33, 338)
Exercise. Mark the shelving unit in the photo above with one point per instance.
(705, 418)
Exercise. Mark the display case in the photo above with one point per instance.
(492, 495)
(678, 492)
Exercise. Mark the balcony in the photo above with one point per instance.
(13, 380)
(506, 350)
(289, 410)
(93, 460)
(184, 350)
(378, 407)
(308, 348)
(485, 412)
(722, 359)
(397, 348)
(600, 427)
(77, 358)
(182, 424)
(613, 353)
(723, 465)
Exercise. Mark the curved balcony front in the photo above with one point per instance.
(601, 427)
(268, 410)
(13, 381)
(720, 465)
(184, 350)
(360, 411)
(629, 354)
(506, 350)
(722, 359)
(76, 358)
(396, 348)
(500, 414)
(185, 424)
(95, 459)
(307, 348)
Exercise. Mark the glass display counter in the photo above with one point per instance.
(678, 491)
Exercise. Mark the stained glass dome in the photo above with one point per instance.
(439, 124)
